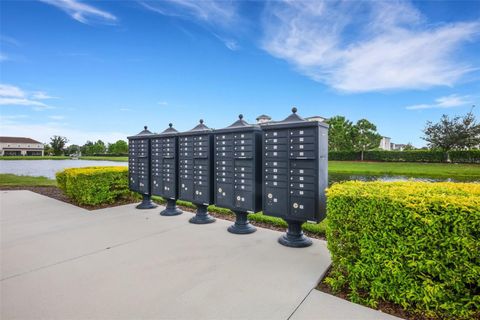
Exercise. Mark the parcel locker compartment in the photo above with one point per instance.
(243, 154)
(244, 148)
(302, 208)
(224, 148)
(243, 163)
(169, 191)
(302, 147)
(202, 194)
(302, 193)
(243, 200)
(275, 147)
(275, 201)
(243, 136)
(275, 164)
(224, 195)
(276, 154)
(302, 172)
(282, 141)
(225, 179)
(302, 186)
(243, 142)
(270, 170)
(303, 154)
(143, 185)
(244, 187)
(276, 133)
(227, 136)
(244, 182)
(276, 177)
(302, 179)
(186, 189)
(276, 184)
(303, 132)
(157, 186)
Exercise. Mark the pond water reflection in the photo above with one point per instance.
(47, 168)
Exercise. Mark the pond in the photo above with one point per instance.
(47, 168)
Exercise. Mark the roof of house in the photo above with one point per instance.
(264, 116)
(316, 117)
(17, 140)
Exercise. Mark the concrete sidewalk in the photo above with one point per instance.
(59, 261)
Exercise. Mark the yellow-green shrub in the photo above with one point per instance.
(413, 243)
(94, 185)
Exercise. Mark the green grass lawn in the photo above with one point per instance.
(122, 159)
(406, 168)
(7, 179)
(34, 158)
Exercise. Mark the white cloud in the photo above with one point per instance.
(125, 109)
(41, 95)
(56, 117)
(450, 101)
(162, 103)
(14, 96)
(82, 12)
(367, 45)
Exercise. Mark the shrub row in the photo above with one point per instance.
(94, 185)
(463, 156)
(416, 244)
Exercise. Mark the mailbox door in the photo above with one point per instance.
(224, 170)
(133, 166)
(157, 166)
(185, 168)
(169, 178)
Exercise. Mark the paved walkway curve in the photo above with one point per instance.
(59, 261)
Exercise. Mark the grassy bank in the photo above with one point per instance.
(124, 159)
(120, 159)
(7, 179)
(412, 169)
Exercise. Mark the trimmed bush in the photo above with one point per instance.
(344, 155)
(459, 156)
(94, 185)
(467, 156)
(416, 244)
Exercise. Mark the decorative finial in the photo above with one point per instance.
(240, 116)
(145, 127)
(294, 109)
(170, 125)
(201, 121)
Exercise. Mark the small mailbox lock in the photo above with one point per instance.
(238, 198)
(220, 190)
(270, 196)
(295, 205)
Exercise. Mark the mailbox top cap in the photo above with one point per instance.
(239, 124)
(141, 134)
(293, 120)
(199, 128)
(169, 130)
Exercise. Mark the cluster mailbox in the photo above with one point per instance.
(139, 173)
(164, 167)
(237, 172)
(196, 170)
(295, 174)
(279, 167)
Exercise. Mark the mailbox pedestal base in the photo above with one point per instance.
(241, 225)
(294, 237)
(146, 203)
(171, 209)
(202, 216)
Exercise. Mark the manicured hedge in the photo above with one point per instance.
(461, 156)
(416, 244)
(94, 185)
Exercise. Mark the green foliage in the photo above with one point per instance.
(90, 148)
(58, 144)
(34, 158)
(412, 243)
(344, 155)
(72, 150)
(458, 156)
(457, 133)
(119, 147)
(340, 134)
(94, 185)
(365, 136)
(465, 156)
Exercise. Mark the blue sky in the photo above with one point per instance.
(93, 70)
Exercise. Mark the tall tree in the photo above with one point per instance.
(121, 146)
(457, 133)
(72, 150)
(365, 136)
(58, 144)
(340, 134)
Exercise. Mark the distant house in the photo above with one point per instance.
(19, 146)
(398, 146)
(263, 118)
(385, 143)
(316, 118)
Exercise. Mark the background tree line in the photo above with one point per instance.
(57, 147)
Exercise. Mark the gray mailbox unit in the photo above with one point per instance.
(164, 167)
(295, 167)
(238, 172)
(196, 170)
(139, 173)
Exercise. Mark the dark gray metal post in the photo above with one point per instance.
(294, 237)
(241, 225)
(146, 203)
(171, 209)
(202, 216)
